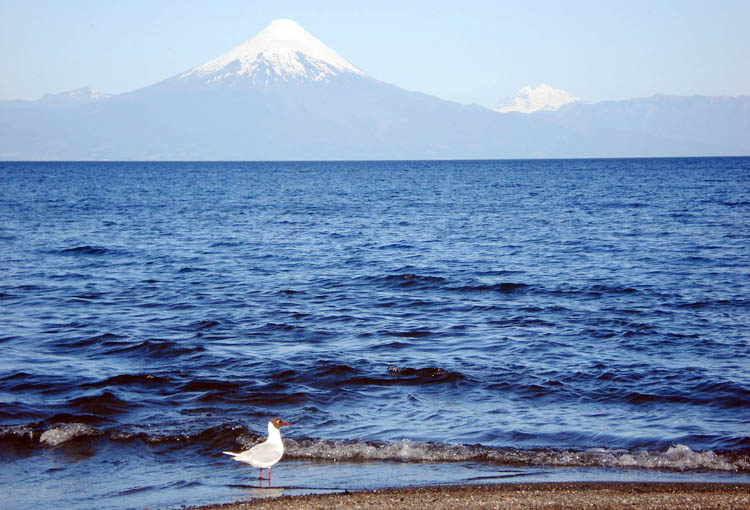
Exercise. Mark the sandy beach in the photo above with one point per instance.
(548, 496)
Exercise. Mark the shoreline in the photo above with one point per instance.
(512, 496)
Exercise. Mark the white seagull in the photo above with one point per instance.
(267, 453)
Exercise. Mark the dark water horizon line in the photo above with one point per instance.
(426, 160)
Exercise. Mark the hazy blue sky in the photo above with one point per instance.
(466, 51)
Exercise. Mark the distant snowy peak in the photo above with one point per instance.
(543, 97)
(283, 51)
(84, 95)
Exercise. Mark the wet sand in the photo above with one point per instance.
(532, 496)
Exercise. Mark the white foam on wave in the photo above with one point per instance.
(63, 432)
(677, 458)
(17, 432)
(405, 451)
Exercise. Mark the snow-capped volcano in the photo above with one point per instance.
(283, 51)
(543, 97)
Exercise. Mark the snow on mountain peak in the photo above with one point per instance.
(281, 51)
(543, 97)
(78, 96)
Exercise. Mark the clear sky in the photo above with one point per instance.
(471, 51)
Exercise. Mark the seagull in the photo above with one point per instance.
(267, 453)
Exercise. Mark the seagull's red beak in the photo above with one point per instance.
(285, 423)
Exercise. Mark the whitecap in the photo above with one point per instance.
(63, 432)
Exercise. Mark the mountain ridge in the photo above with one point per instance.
(247, 104)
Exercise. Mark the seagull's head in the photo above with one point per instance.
(278, 423)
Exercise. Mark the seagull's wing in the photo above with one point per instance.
(264, 452)
(261, 454)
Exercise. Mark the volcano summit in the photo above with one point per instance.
(282, 51)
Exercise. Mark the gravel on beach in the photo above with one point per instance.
(547, 496)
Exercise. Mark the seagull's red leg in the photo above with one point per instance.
(269, 475)
(261, 474)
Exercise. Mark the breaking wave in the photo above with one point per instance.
(677, 457)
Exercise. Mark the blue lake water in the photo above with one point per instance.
(512, 317)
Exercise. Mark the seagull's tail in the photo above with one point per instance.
(231, 453)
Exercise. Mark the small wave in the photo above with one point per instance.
(396, 246)
(521, 321)
(335, 371)
(406, 376)
(426, 373)
(89, 296)
(266, 398)
(129, 380)
(344, 375)
(156, 348)
(610, 289)
(636, 397)
(717, 394)
(85, 250)
(209, 385)
(391, 346)
(623, 205)
(102, 405)
(722, 394)
(411, 280)
(65, 428)
(202, 325)
(412, 376)
(23, 381)
(227, 244)
(411, 277)
(290, 292)
(416, 333)
(275, 326)
(504, 287)
(594, 291)
(79, 343)
(188, 269)
(734, 303)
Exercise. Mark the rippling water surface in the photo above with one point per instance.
(514, 313)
